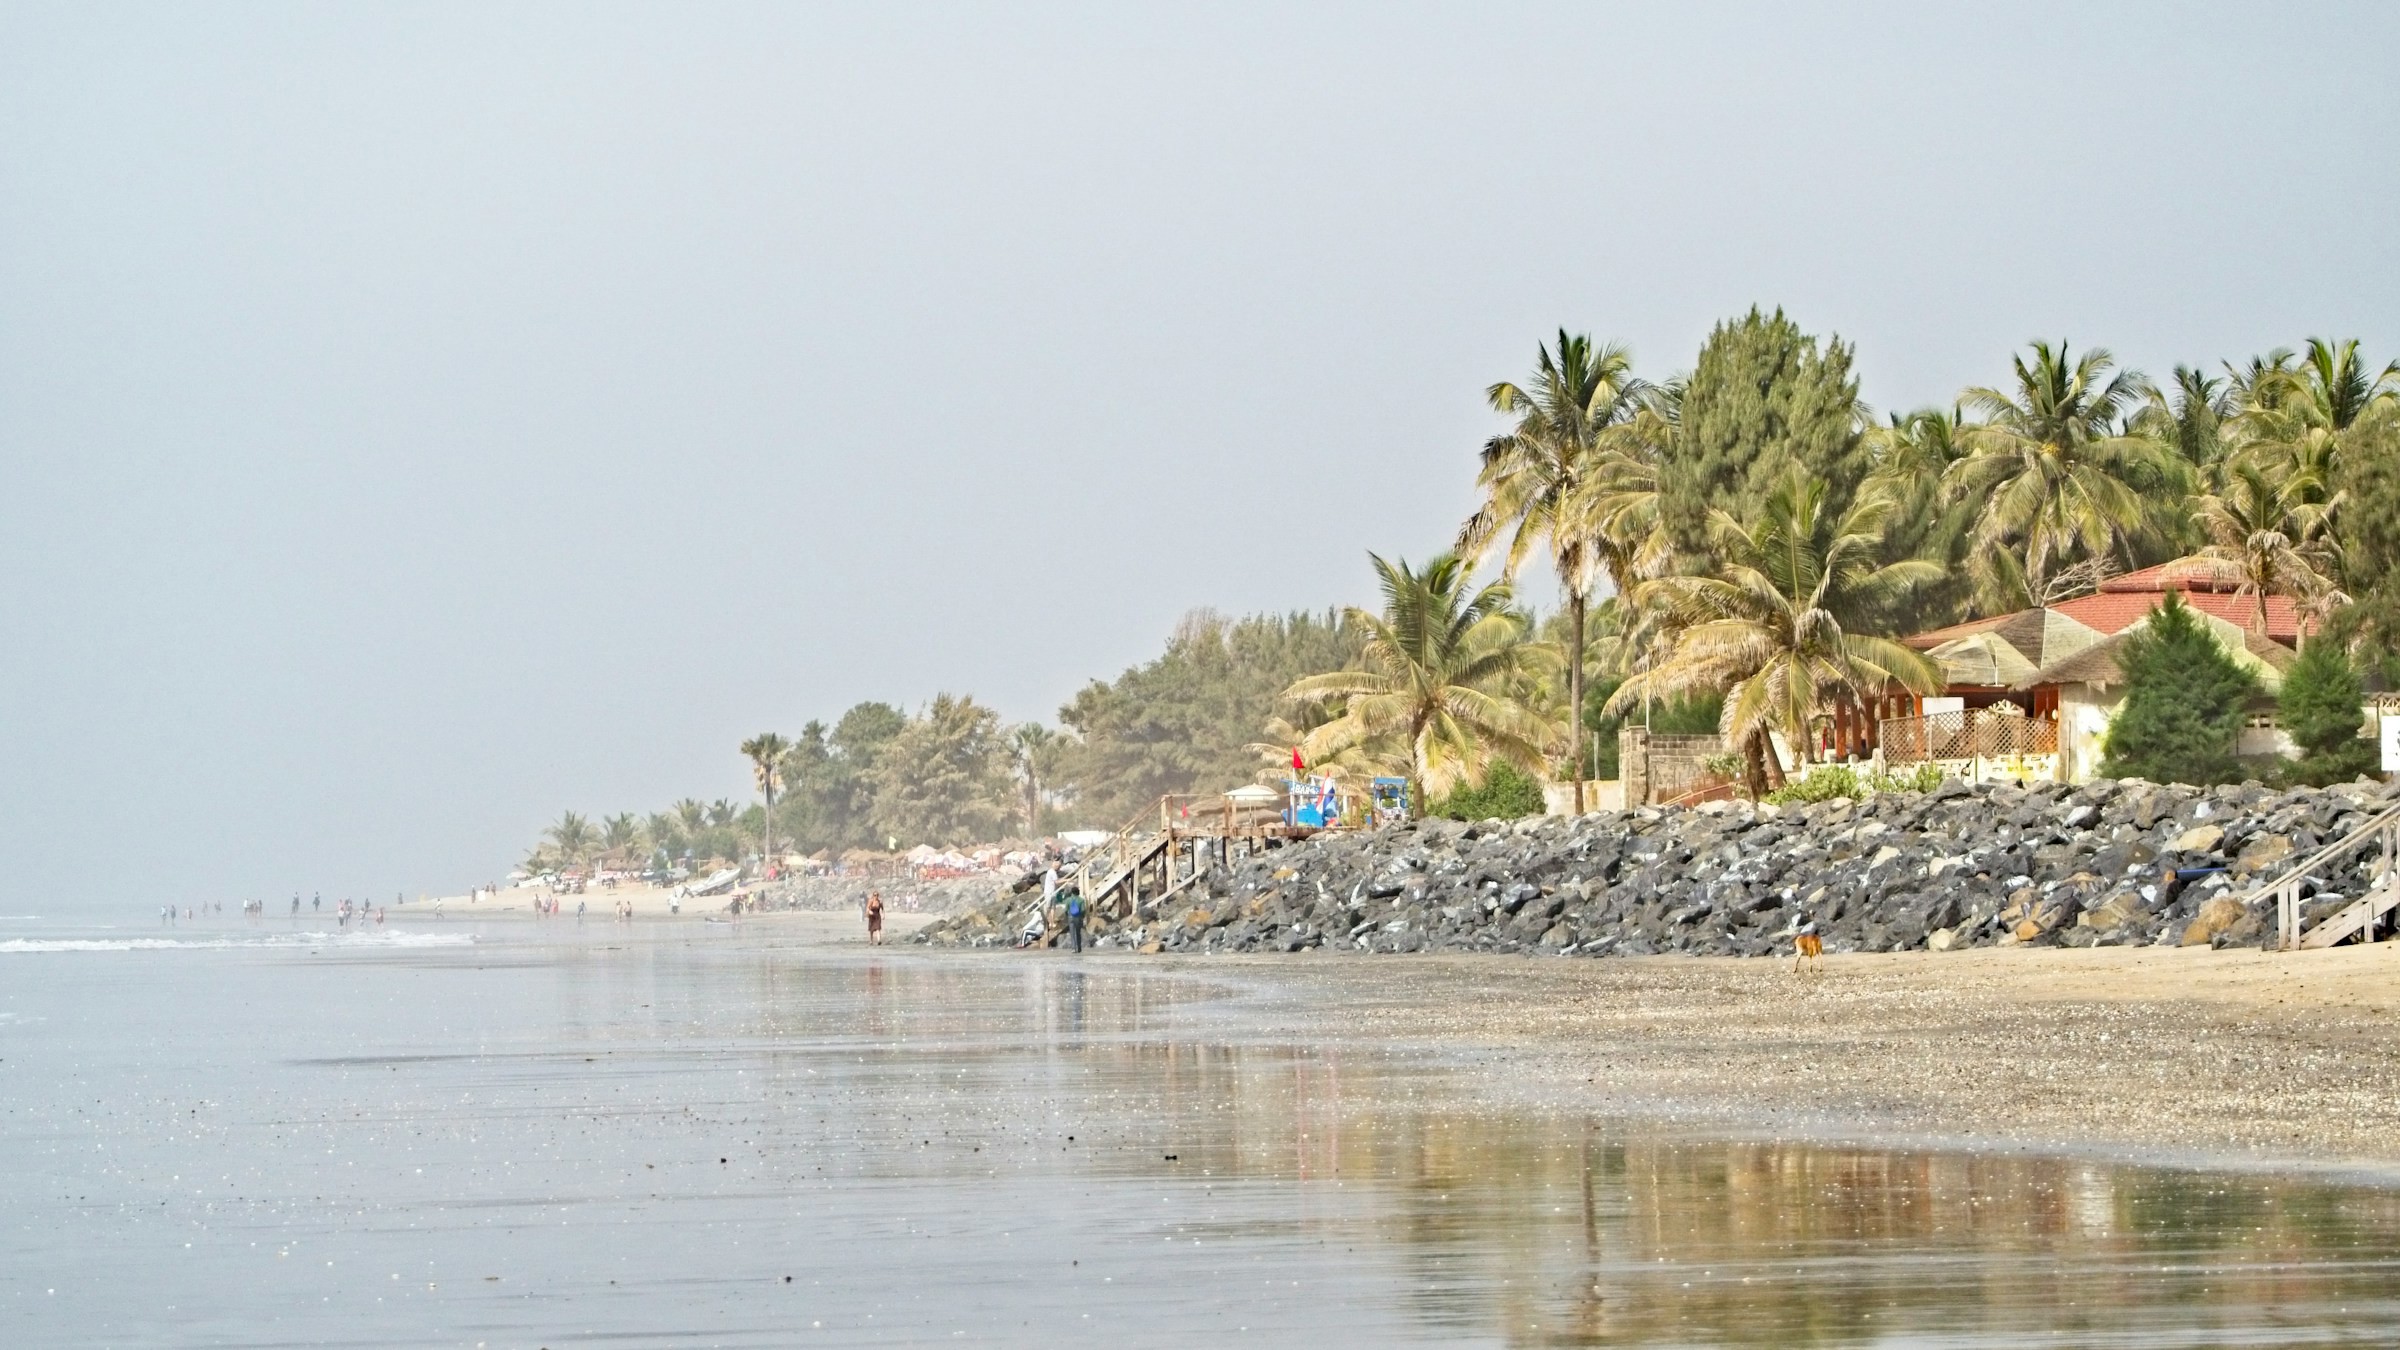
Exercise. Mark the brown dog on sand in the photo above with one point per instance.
(1807, 946)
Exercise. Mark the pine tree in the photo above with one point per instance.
(2321, 706)
(1762, 398)
(2184, 703)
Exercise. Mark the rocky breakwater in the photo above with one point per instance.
(2107, 863)
(948, 895)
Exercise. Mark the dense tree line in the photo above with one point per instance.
(1737, 547)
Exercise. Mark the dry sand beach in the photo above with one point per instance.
(650, 902)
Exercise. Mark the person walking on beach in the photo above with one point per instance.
(875, 918)
(1075, 918)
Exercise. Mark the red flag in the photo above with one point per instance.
(1297, 766)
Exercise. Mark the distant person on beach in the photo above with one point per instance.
(875, 918)
(295, 904)
(316, 902)
(1075, 918)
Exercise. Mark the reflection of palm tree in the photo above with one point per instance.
(1435, 666)
(1536, 477)
(1769, 631)
(2062, 481)
(767, 751)
(2272, 534)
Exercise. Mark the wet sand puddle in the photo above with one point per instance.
(578, 1137)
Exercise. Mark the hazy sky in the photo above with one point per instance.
(414, 421)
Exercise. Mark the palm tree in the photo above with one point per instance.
(665, 834)
(2332, 385)
(2301, 410)
(620, 834)
(1769, 632)
(1033, 752)
(1535, 476)
(767, 751)
(571, 838)
(2061, 478)
(1912, 458)
(2194, 419)
(2277, 539)
(1430, 687)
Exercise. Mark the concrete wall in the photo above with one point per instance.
(1656, 768)
(1607, 794)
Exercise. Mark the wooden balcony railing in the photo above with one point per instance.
(1978, 734)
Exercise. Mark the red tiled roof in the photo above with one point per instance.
(1930, 640)
(2193, 574)
(2116, 611)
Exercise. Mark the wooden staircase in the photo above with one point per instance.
(1128, 860)
(2357, 919)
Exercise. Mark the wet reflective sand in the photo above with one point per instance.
(566, 1136)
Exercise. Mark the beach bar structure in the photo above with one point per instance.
(2029, 696)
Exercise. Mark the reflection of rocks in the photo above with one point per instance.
(2109, 863)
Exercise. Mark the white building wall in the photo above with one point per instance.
(2084, 712)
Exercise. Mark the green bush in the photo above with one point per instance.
(1829, 781)
(1923, 778)
(1823, 784)
(2184, 703)
(2320, 705)
(1506, 792)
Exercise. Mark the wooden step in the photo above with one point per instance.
(2354, 918)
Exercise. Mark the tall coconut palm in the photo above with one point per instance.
(2332, 385)
(1912, 458)
(1034, 752)
(1769, 632)
(571, 838)
(1432, 679)
(2062, 478)
(2272, 534)
(2193, 418)
(2299, 411)
(664, 833)
(620, 834)
(1535, 474)
(767, 751)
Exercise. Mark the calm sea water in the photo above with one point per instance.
(556, 1135)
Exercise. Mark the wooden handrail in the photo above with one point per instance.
(2383, 826)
